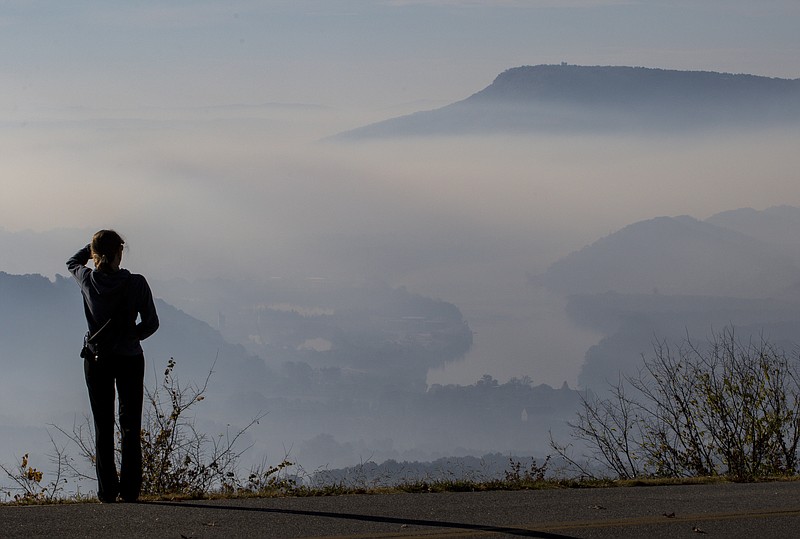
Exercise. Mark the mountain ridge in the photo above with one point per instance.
(569, 98)
(676, 255)
(672, 278)
(616, 83)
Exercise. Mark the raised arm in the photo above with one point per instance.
(77, 263)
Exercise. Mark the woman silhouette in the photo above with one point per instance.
(112, 300)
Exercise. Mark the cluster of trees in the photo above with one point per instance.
(475, 469)
(402, 423)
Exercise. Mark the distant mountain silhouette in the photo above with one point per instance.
(675, 255)
(632, 322)
(778, 225)
(367, 336)
(41, 333)
(570, 98)
(673, 277)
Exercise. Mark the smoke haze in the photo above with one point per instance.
(204, 193)
(203, 133)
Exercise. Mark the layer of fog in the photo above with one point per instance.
(256, 195)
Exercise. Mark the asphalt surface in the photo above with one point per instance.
(723, 510)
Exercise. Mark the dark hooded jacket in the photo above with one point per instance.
(119, 296)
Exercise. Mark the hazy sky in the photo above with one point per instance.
(119, 114)
(379, 53)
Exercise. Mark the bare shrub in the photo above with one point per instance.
(28, 485)
(728, 408)
(177, 459)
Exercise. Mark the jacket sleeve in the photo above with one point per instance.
(147, 312)
(77, 263)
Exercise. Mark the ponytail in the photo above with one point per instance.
(105, 246)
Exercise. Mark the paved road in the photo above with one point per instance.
(699, 511)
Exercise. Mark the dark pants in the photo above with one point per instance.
(127, 373)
